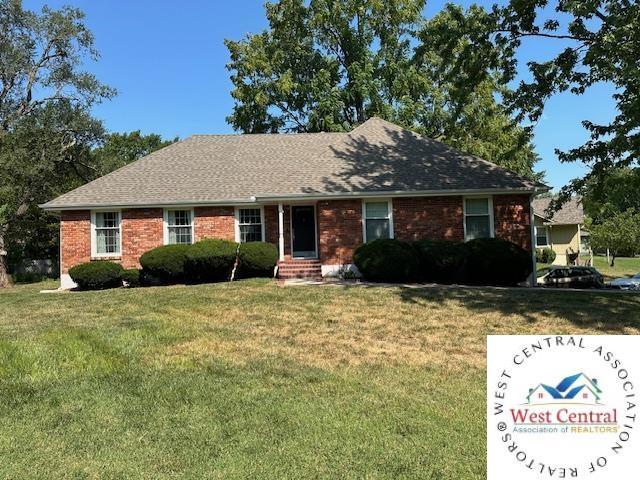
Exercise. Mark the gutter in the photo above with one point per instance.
(302, 196)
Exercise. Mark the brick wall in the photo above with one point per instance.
(340, 227)
(415, 218)
(215, 222)
(271, 226)
(512, 219)
(75, 233)
(142, 230)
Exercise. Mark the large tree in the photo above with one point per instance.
(599, 42)
(42, 83)
(330, 64)
(619, 233)
(120, 149)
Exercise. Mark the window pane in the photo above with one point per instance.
(478, 227)
(250, 233)
(107, 219)
(108, 241)
(179, 217)
(250, 215)
(477, 206)
(541, 236)
(377, 229)
(377, 209)
(179, 235)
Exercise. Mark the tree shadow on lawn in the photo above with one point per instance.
(601, 311)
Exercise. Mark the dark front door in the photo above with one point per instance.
(303, 231)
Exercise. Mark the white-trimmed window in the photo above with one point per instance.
(542, 239)
(178, 227)
(106, 236)
(377, 219)
(478, 218)
(250, 225)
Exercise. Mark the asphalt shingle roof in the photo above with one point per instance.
(376, 157)
(571, 212)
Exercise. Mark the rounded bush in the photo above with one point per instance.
(257, 259)
(493, 261)
(97, 275)
(545, 255)
(210, 260)
(387, 261)
(441, 261)
(131, 277)
(166, 263)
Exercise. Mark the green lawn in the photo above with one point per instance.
(623, 266)
(249, 380)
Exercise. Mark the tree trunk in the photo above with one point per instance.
(4, 274)
(613, 260)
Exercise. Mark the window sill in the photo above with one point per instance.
(106, 257)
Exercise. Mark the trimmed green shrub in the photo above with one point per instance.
(166, 263)
(493, 261)
(131, 277)
(545, 255)
(387, 261)
(441, 261)
(210, 260)
(97, 275)
(257, 259)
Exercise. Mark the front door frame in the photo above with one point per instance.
(315, 229)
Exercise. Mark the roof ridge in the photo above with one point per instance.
(240, 134)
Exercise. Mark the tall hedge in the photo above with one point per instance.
(257, 259)
(493, 261)
(441, 261)
(97, 275)
(210, 260)
(387, 260)
(165, 264)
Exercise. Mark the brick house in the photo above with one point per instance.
(315, 196)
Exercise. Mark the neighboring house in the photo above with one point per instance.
(316, 196)
(563, 232)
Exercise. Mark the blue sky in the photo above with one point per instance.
(167, 61)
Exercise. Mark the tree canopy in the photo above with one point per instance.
(120, 149)
(331, 64)
(600, 44)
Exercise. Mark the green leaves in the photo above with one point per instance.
(331, 64)
(602, 45)
(619, 233)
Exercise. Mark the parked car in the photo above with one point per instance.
(632, 283)
(570, 277)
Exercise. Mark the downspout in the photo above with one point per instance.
(533, 277)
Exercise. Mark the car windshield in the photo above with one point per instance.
(543, 271)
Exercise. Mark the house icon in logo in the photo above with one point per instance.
(578, 388)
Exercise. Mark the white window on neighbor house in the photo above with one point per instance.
(105, 235)
(249, 225)
(478, 218)
(178, 227)
(542, 239)
(377, 219)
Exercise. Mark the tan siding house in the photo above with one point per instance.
(563, 232)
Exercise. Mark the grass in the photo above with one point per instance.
(623, 266)
(248, 380)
